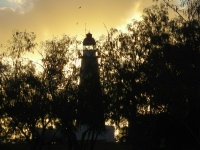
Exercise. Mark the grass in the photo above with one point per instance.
(113, 146)
(98, 146)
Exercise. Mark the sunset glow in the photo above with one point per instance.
(49, 18)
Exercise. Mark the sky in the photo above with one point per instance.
(48, 18)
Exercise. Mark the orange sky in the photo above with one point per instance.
(49, 18)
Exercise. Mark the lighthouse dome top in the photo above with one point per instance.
(89, 40)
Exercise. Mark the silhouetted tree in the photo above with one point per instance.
(22, 90)
(60, 79)
(172, 78)
(188, 10)
(32, 101)
(131, 87)
(4, 72)
(121, 56)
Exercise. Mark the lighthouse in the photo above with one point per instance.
(90, 94)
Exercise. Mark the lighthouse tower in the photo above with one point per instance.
(90, 94)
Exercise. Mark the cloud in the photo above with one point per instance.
(19, 6)
(20, 2)
(2, 9)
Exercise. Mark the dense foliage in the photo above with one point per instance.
(150, 76)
